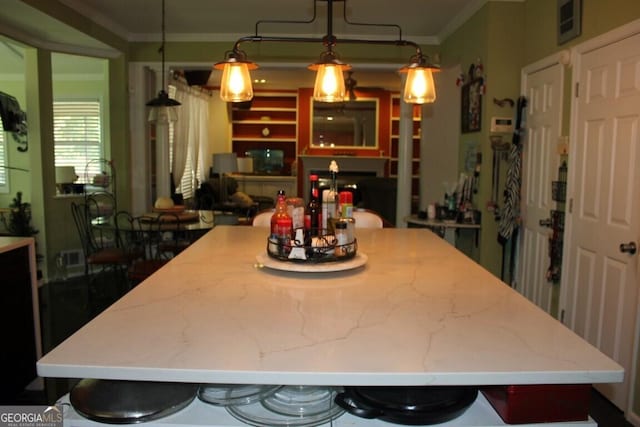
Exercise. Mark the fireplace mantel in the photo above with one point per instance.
(345, 163)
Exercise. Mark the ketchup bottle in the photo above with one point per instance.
(282, 225)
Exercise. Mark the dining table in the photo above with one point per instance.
(192, 224)
(188, 220)
(407, 310)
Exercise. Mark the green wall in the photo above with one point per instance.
(493, 36)
(598, 17)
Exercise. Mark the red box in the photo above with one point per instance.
(518, 404)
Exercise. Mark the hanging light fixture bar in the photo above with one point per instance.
(329, 85)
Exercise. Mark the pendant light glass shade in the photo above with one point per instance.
(163, 115)
(419, 87)
(236, 85)
(329, 84)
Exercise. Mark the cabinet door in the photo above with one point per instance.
(18, 354)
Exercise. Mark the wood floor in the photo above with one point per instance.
(65, 308)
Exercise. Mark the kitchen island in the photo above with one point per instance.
(418, 312)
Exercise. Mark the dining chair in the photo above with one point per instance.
(263, 218)
(366, 218)
(141, 237)
(172, 237)
(102, 250)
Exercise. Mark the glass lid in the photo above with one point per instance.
(295, 406)
(234, 394)
(300, 400)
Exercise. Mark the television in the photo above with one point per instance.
(13, 118)
(267, 161)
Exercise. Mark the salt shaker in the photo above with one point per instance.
(342, 238)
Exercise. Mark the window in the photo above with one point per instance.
(78, 136)
(4, 172)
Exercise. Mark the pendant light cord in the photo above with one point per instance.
(163, 41)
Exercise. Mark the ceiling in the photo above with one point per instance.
(421, 21)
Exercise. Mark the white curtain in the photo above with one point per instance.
(190, 139)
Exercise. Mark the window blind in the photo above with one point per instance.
(4, 172)
(77, 134)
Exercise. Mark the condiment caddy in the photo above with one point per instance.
(327, 232)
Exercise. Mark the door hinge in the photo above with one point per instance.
(562, 316)
(577, 89)
(570, 207)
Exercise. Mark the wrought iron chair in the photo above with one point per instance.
(172, 236)
(151, 241)
(102, 249)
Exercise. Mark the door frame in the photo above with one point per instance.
(613, 36)
(560, 59)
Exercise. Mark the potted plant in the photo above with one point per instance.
(19, 223)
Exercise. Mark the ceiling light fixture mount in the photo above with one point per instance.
(162, 103)
(329, 85)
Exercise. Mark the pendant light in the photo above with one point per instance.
(329, 86)
(419, 87)
(236, 84)
(162, 106)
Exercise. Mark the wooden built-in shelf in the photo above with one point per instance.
(269, 121)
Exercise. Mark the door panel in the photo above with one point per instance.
(584, 273)
(543, 89)
(602, 288)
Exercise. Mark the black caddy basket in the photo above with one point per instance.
(324, 249)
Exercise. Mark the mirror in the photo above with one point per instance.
(345, 124)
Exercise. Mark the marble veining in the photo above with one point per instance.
(419, 312)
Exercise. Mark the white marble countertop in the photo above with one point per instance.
(418, 313)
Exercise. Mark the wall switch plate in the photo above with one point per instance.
(502, 124)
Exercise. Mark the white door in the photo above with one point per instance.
(543, 89)
(602, 280)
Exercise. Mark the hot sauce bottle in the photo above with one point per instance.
(282, 225)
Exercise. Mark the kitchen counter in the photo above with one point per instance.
(417, 313)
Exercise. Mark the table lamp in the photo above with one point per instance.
(65, 177)
(224, 164)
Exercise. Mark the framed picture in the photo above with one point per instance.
(569, 20)
(471, 106)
